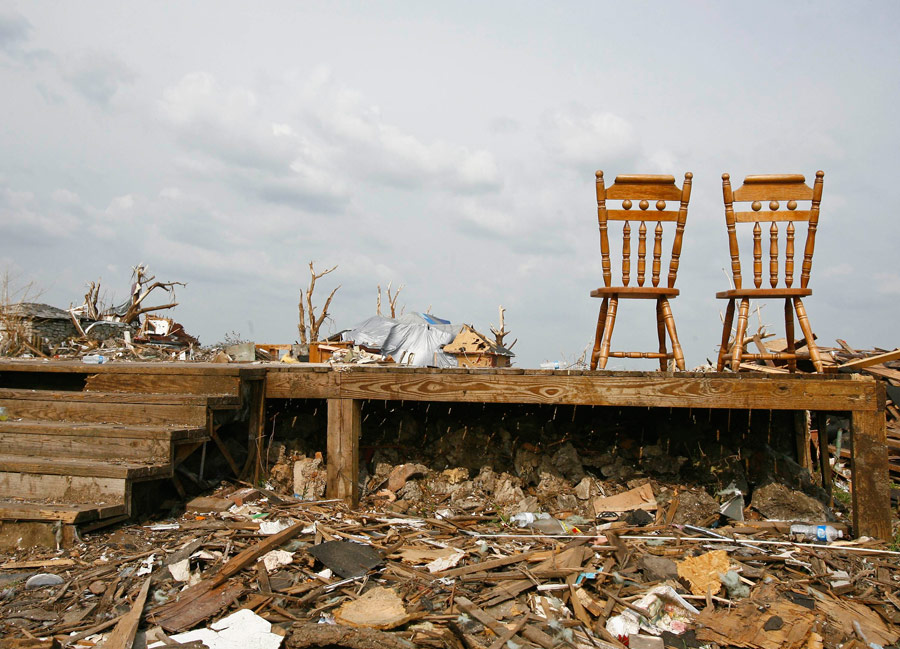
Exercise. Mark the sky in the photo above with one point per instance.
(446, 147)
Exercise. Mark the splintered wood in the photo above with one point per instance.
(323, 575)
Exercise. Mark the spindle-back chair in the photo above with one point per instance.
(770, 191)
(640, 189)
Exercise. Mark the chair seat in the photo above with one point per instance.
(634, 292)
(763, 292)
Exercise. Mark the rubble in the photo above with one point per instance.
(601, 564)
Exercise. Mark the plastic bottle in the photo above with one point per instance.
(93, 359)
(542, 523)
(551, 365)
(824, 533)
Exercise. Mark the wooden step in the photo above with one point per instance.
(82, 467)
(66, 488)
(105, 407)
(121, 397)
(16, 510)
(165, 382)
(53, 439)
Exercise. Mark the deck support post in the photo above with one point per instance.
(871, 483)
(824, 460)
(344, 425)
(256, 430)
(801, 430)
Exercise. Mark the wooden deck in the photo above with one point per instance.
(346, 387)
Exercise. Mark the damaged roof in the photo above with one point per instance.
(469, 341)
(35, 310)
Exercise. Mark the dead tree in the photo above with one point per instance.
(141, 287)
(501, 332)
(310, 333)
(392, 301)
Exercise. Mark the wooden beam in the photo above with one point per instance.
(871, 482)
(344, 424)
(860, 363)
(311, 383)
(768, 392)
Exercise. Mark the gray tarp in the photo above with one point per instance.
(410, 340)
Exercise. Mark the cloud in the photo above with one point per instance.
(14, 32)
(838, 270)
(315, 157)
(581, 139)
(97, 76)
(28, 220)
(887, 283)
(387, 154)
(233, 142)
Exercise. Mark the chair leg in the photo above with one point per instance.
(661, 333)
(726, 336)
(808, 334)
(789, 332)
(739, 334)
(601, 322)
(670, 326)
(607, 331)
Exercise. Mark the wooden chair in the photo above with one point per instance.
(773, 189)
(643, 189)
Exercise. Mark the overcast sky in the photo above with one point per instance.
(449, 147)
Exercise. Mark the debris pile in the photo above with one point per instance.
(459, 573)
(98, 333)
(883, 364)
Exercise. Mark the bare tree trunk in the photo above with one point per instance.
(315, 322)
(501, 332)
(392, 300)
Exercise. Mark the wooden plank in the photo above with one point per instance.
(122, 413)
(122, 637)
(212, 594)
(532, 633)
(77, 367)
(205, 605)
(67, 513)
(80, 467)
(164, 383)
(869, 472)
(303, 384)
(704, 391)
(878, 359)
(100, 430)
(84, 446)
(344, 425)
(119, 397)
(884, 372)
(73, 489)
(46, 564)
